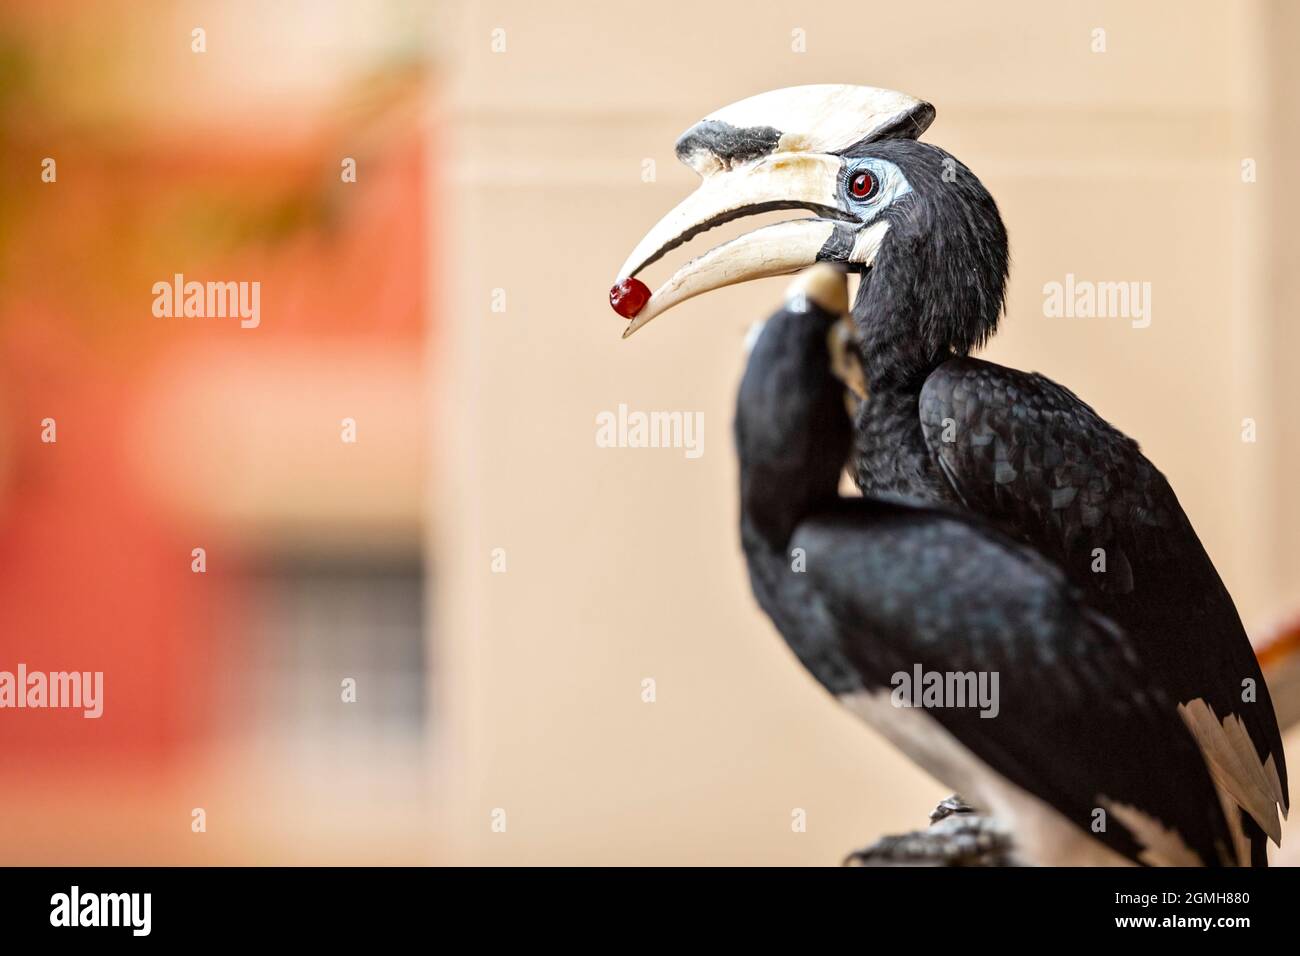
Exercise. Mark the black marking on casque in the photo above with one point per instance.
(730, 144)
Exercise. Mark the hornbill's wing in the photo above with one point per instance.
(1082, 723)
(1025, 452)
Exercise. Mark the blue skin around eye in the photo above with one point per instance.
(893, 184)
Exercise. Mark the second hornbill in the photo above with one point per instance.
(1024, 456)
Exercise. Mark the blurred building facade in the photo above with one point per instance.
(204, 530)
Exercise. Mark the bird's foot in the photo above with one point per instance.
(949, 806)
(958, 835)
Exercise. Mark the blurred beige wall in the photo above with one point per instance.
(623, 564)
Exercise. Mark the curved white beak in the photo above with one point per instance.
(772, 151)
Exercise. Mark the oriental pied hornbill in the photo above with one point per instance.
(993, 500)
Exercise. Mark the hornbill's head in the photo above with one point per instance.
(914, 220)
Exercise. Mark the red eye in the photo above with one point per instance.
(863, 185)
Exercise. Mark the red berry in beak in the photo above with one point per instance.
(628, 297)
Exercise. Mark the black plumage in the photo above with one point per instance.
(1028, 455)
(1006, 525)
(863, 589)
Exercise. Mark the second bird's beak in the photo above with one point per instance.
(777, 150)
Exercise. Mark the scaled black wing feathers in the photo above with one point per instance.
(1029, 455)
(1080, 720)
